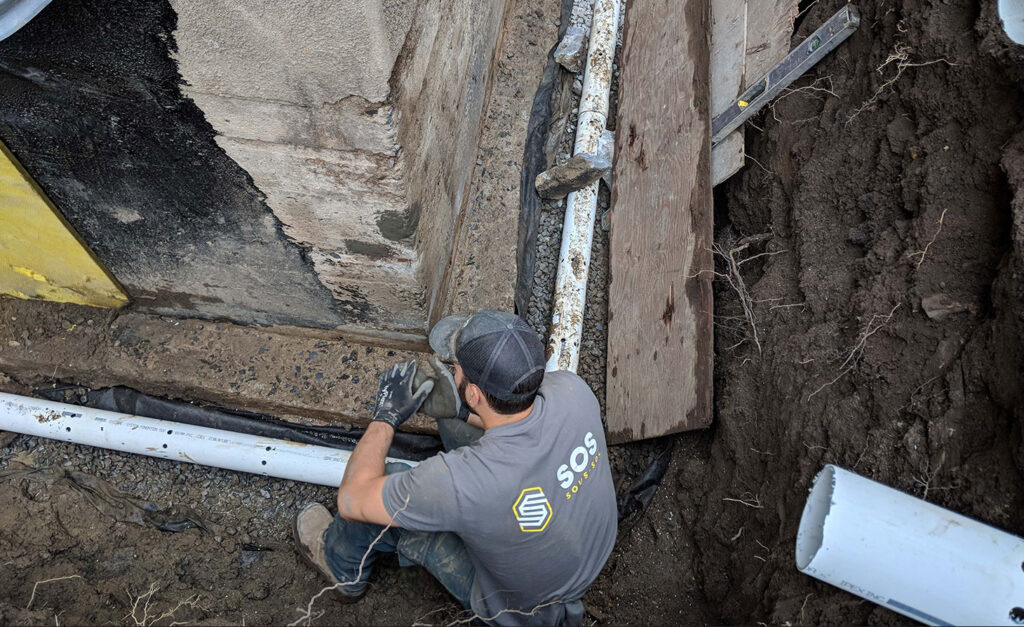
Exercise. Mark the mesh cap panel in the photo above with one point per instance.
(498, 352)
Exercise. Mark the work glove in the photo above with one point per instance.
(396, 400)
(444, 400)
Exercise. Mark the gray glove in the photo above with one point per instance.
(396, 400)
(443, 401)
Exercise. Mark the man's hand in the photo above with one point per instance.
(444, 400)
(396, 400)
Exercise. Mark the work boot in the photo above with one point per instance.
(310, 526)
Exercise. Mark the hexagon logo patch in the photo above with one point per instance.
(532, 510)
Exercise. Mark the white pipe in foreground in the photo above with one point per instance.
(915, 558)
(16, 13)
(173, 440)
(581, 206)
(1011, 12)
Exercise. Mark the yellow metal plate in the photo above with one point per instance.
(41, 256)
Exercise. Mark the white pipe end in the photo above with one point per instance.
(811, 533)
(1011, 12)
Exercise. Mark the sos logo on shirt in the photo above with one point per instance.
(532, 510)
(582, 461)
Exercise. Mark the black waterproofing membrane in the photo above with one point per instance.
(411, 446)
(639, 496)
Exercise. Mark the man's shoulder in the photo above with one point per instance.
(563, 380)
(561, 384)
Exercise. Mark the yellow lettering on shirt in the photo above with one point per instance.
(579, 482)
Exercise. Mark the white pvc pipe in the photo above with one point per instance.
(915, 558)
(1011, 12)
(16, 13)
(176, 441)
(581, 206)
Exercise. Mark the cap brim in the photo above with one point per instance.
(444, 334)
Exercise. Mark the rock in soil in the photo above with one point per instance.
(571, 52)
(579, 171)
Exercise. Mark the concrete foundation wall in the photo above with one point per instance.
(441, 90)
(359, 125)
(90, 104)
(308, 52)
(298, 94)
(314, 156)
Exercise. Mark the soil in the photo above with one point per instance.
(853, 185)
(240, 568)
(888, 312)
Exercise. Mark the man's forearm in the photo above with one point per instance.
(367, 460)
(364, 467)
(361, 493)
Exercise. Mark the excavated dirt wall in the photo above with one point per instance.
(889, 313)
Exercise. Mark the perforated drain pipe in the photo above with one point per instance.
(581, 206)
(308, 463)
(915, 558)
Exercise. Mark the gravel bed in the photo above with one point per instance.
(582, 11)
(593, 351)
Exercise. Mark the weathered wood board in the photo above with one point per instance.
(728, 59)
(769, 31)
(660, 355)
(747, 39)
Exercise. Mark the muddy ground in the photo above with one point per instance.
(889, 318)
(885, 181)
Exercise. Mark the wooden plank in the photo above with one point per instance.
(762, 32)
(728, 59)
(728, 51)
(727, 157)
(769, 31)
(659, 374)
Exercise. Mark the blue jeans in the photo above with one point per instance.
(346, 543)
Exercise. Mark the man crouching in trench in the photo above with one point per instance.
(516, 518)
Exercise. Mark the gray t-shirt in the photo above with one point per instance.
(533, 501)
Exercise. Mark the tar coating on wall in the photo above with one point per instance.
(90, 103)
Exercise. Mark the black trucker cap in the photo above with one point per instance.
(496, 349)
